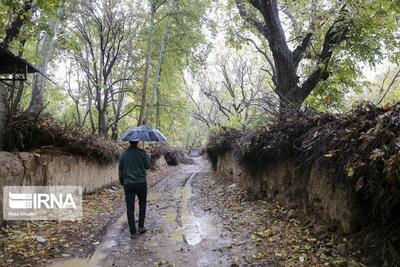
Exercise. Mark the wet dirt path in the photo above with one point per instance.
(181, 233)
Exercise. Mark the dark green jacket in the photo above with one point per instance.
(132, 166)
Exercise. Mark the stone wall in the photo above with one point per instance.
(53, 169)
(308, 187)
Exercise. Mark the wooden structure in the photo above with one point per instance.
(13, 67)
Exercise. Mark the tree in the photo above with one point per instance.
(105, 30)
(234, 98)
(390, 84)
(179, 43)
(153, 9)
(297, 72)
(157, 76)
(39, 79)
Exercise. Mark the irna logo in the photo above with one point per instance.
(41, 200)
(42, 203)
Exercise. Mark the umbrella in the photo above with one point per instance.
(142, 133)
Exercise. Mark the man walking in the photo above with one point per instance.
(132, 175)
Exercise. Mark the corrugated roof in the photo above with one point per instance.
(10, 63)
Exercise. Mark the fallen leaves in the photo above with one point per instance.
(36, 243)
(266, 233)
(27, 133)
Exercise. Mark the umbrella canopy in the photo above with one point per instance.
(142, 133)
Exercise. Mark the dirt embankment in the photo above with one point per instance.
(345, 169)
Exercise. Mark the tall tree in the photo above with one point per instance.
(39, 79)
(297, 72)
(143, 105)
(233, 97)
(156, 84)
(103, 28)
(286, 61)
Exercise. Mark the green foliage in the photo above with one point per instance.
(374, 37)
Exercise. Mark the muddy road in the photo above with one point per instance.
(197, 219)
(181, 233)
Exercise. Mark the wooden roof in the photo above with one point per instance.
(10, 63)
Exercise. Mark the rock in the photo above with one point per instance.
(301, 258)
(40, 239)
(342, 249)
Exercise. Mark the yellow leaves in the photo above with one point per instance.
(331, 153)
(376, 154)
(350, 171)
(387, 106)
(265, 233)
(328, 99)
(34, 243)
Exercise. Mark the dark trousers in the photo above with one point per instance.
(139, 189)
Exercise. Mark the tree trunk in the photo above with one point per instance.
(2, 114)
(114, 132)
(39, 80)
(142, 114)
(155, 101)
(103, 130)
(92, 124)
(286, 61)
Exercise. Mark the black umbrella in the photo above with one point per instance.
(142, 133)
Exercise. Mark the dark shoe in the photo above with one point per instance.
(142, 230)
(134, 236)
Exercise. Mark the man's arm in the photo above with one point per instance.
(147, 162)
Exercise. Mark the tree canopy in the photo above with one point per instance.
(183, 65)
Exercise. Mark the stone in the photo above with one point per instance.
(40, 239)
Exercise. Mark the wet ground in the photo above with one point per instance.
(180, 233)
(197, 219)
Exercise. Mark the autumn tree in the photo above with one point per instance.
(232, 97)
(104, 51)
(307, 54)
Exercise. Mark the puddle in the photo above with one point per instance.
(195, 229)
(177, 227)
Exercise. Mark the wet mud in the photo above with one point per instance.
(180, 233)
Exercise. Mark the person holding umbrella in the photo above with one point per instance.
(133, 164)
